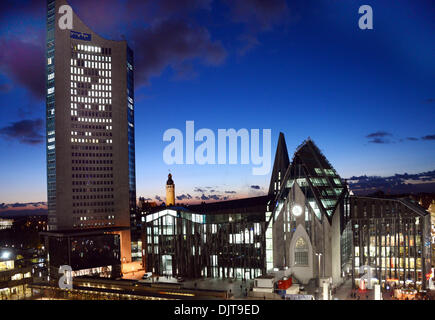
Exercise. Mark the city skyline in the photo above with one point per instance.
(370, 95)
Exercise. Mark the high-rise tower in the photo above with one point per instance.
(170, 191)
(91, 180)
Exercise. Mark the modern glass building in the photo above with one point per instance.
(91, 181)
(216, 242)
(392, 237)
(87, 252)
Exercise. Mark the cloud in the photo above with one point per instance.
(172, 44)
(23, 207)
(379, 141)
(26, 7)
(255, 187)
(5, 87)
(212, 197)
(230, 192)
(258, 14)
(152, 10)
(200, 190)
(25, 131)
(378, 134)
(184, 197)
(428, 137)
(411, 139)
(248, 42)
(23, 62)
(18, 205)
(158, 198)
(379, 137)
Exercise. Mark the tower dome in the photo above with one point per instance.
(170, 181)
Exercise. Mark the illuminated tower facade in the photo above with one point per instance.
(170, 191)
(91, 180)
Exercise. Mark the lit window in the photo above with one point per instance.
(301, 252)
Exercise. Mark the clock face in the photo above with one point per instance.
(297, 210)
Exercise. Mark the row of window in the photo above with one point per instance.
(91, 155)
(94, 49)
(90, 57)
(92, 161)
(88, 126)
(101, 114)
(92, 100)
(91, 93)
(93, 196)
(91, 147)
(104, 176)
(80, 140)
(92, 190)
(90, 225)
(97, 210)
(91, 120)
(91, 183)
(90, 134)
(93, 203)
(85, 63)
(92, 168)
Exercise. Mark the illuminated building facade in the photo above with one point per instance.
(90, 130)
(305, 222)
(392, 236)
(216, 240)
(16, 272)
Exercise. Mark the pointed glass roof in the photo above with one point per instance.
(280, 165)
(317, 178)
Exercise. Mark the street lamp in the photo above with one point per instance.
(6, 255)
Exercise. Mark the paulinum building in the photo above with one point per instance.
(320, 230)
(305, 221)
(90, 131)
(217, 240)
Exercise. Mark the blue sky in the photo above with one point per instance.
(302, 67)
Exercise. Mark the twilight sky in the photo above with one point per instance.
(302, 67)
